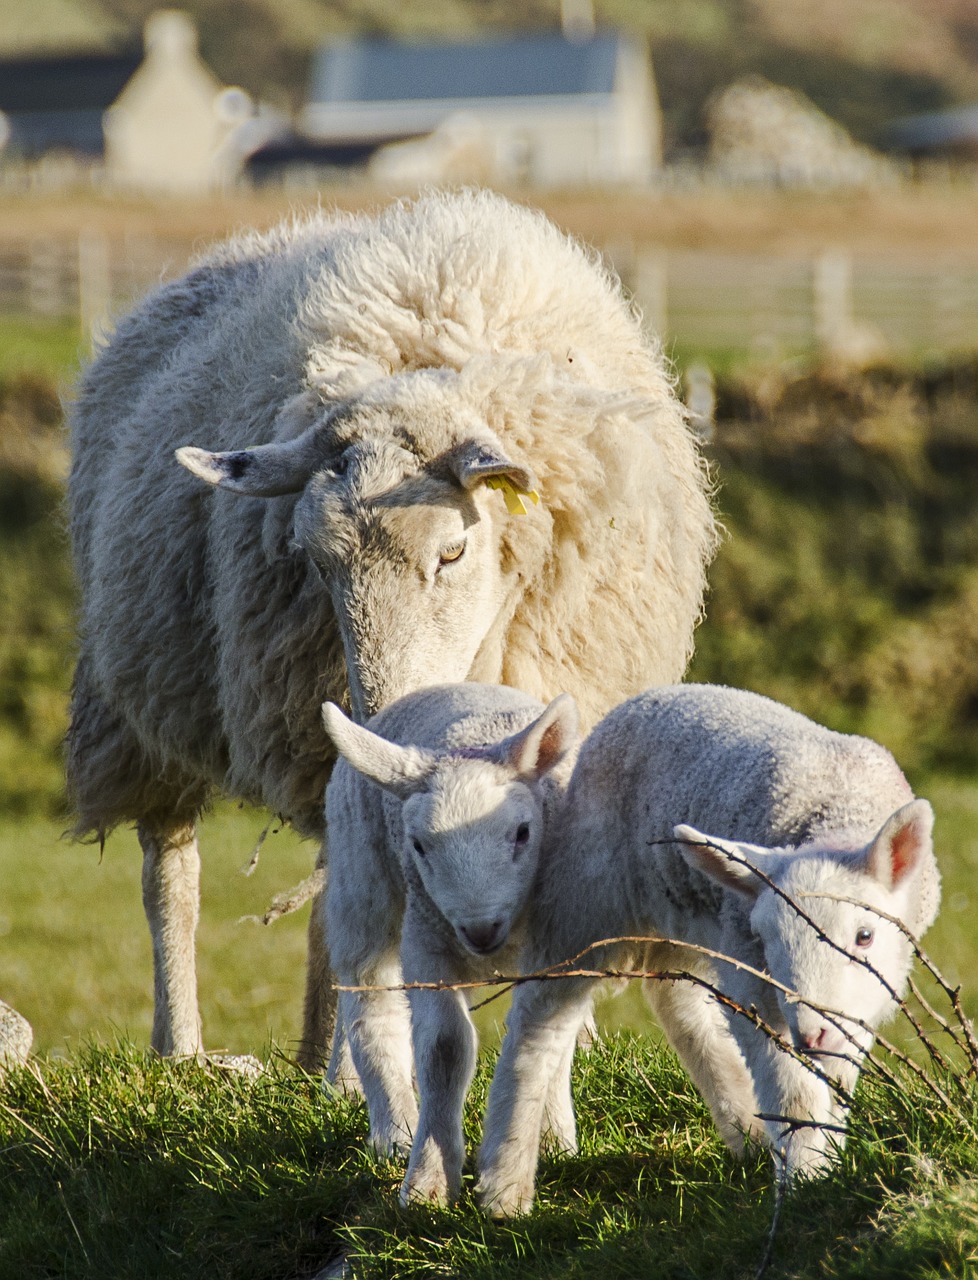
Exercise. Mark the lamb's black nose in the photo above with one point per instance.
(483, 937)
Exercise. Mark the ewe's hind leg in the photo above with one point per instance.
(697, 1029)
(171, 898)
(319, 1025)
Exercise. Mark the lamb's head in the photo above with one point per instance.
(472, 819)
(846, 957)
(423, 566)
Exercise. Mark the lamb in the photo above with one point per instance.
(353, 385)
(436, 812)
(808, 817)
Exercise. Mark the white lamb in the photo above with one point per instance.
(446, 855)
(833, 827)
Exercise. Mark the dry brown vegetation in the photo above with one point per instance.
(925, 219)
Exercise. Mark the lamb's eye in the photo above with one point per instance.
(522, 833)
(340, 466)
(451, 553)
(864, 937)
(418, 848)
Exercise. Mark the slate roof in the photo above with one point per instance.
(935, 130)
(517, 67)
(58, 101)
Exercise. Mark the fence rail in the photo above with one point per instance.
(700, 298)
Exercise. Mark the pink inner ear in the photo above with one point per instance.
(904, 851)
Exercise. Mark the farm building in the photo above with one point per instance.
(56, 102)
(545, 109)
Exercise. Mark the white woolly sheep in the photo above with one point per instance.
(434, 834)
(388, 368)
(829, 818)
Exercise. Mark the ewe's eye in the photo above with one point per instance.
(451, 553)
(418, 848)
(339, 467)
(864, 937)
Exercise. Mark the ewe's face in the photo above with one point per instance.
(411, 557)
(834, 977)
(474, 839)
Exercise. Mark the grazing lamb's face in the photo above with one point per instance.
(846, 960)
(472, 819)
(394, 512)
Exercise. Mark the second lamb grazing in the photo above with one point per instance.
(817, 843)
(443, 850)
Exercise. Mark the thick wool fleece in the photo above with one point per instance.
(209, 640)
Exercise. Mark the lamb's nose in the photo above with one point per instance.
(815, 1040)
(483, 937)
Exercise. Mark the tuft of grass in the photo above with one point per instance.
(118, 1164)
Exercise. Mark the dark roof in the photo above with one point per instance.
(934, 130)
(523, 66)
(77, 83)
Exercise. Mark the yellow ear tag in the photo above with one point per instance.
(514, 501)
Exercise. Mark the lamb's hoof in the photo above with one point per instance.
(16, 1037)
(426, 1188)
(239, 1064)
(507, 1202)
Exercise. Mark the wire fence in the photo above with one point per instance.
(701, 299)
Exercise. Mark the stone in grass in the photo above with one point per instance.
(16, 1035)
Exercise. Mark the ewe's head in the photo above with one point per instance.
(472, 820)
(845, 957)
(393, 509)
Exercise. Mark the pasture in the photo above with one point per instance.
(847, 587)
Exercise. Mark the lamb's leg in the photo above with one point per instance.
(378, 1024)
(319, 1008)
(559, 1134)
(543, 1025)
(698, 1031)
(171, 898)
(809, 1130)
(445, 1045)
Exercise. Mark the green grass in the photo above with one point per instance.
(75, 956)
(51, 347)
(115, 1165)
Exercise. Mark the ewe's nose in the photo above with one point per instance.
(483, 938)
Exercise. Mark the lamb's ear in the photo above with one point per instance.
(399, 770)
(543, 744)
(267, 471)
(729, 862)
(904, 841)
(475, 461)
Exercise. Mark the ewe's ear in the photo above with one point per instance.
(729, 862)
(542, 745)
(267, 471)
(473, 462)
(904, 841)
(400, 770)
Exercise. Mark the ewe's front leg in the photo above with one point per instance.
(445, 1044)
(543, 1025)
(171, 899)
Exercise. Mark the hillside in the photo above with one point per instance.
(862, 61)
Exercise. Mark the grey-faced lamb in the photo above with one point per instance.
(829, 822)
(352, 384)
(436, 812)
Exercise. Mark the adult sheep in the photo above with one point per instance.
(354, 384)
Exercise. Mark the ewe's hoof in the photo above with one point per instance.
(16, 1037)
